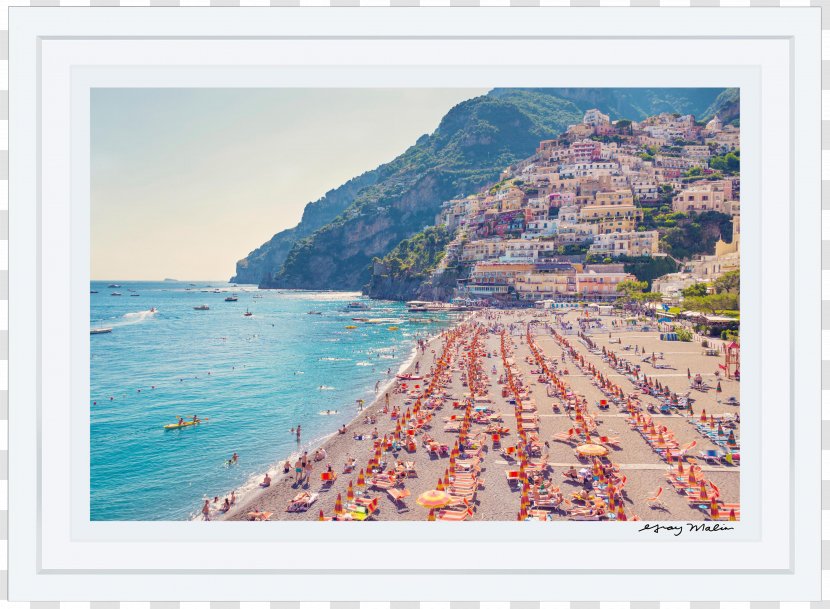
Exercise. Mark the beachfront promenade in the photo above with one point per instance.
(540, 386)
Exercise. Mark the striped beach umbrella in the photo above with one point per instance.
(433, 499)
(361, 479)
(322, 516)
(732, 516)
(350, 492)
(731, 441)
(621, 513)
(338, 505)
(440, 485)
(431, 515)
(713, 509)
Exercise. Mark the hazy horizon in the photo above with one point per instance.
(185, 182)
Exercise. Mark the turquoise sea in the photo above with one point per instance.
(253, 378)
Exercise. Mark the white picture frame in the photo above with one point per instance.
(57, 554)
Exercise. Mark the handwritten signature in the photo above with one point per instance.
(678, 529)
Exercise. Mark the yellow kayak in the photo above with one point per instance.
(351, 327)
(180, 425)
(393, 327)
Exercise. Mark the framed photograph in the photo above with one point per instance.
(352, 301)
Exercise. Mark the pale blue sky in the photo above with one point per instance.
(187, 181)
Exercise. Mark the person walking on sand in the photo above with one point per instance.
(206, 510)
(308, 469)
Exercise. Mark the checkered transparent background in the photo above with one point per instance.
(4, 401)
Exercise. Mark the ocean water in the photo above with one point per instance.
(253, 378)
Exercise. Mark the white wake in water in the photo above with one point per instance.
(135, 318)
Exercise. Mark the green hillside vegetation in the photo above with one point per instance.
(417, 256)
(685, 235)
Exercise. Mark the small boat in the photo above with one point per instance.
(113, 285)
(314, 313)
(393, 328)
(231, 299)
(201, 308)
(100, 330)
(116, 294)
(247, 313)
(257, 296)
(351, 327)
(93, 291)
(135, 294)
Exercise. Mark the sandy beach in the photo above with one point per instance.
(556, 376)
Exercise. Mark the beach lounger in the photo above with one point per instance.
(655, 503)
(397, 497)
(259, 516)
(328, 478)
(455, 515)
(711, 456)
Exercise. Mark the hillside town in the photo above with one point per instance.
(595, 208)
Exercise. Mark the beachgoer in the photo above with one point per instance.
(286, 467)
(307, 470)
(227, 505)
(298, 471)
(206, 510)
(235, 458)
(266, 482)
(233, 497)
(299, 432)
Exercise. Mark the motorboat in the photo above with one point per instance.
(231, 299)
(100, 330)
(201, 308)
(116, 294)
(247, 313)
(357, 305)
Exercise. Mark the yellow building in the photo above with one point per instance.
(613, 204)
